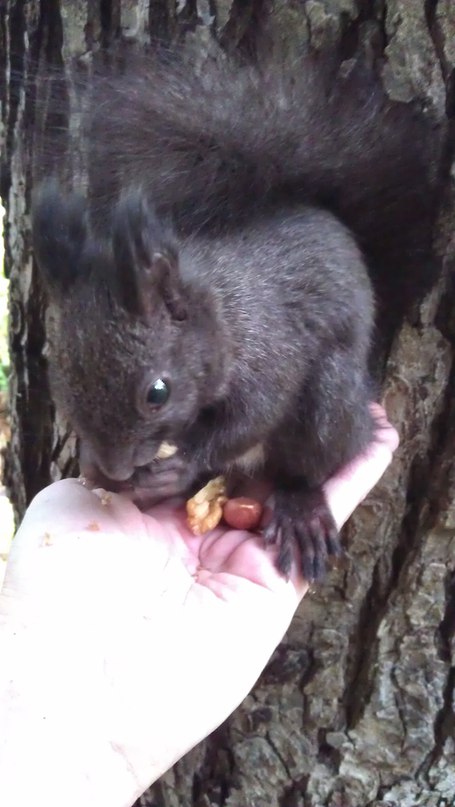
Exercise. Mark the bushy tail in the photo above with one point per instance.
(230, 136)
(229, 142)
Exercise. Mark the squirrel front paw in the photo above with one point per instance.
(301, 520)
(164, 478)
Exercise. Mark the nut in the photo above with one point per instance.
(205, 509)
(242, 513)
(165, 450)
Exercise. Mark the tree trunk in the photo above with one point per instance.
(356, 705)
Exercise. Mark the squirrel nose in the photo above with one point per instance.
(112, 464)
(117, 472)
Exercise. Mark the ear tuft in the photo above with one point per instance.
(59, 232)
(146, 260)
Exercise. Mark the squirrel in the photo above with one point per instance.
(217, 287)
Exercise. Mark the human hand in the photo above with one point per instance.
(128, 640)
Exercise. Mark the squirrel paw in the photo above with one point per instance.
(165, 478)
(302, 519)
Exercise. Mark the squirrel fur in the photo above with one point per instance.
(238, 226)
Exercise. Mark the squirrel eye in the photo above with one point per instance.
(158, 393)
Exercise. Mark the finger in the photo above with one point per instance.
(384, 431)
(67, 507)
(352, 484)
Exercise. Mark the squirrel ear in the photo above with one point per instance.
(146, 260)
(59, 230)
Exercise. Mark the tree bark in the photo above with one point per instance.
(356, 707)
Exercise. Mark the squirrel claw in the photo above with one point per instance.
(302, 520)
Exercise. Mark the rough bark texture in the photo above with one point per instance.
(357, 705)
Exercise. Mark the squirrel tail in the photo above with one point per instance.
(225, 143)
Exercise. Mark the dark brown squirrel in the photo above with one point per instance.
(216, 287)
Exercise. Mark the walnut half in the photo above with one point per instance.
(205, 509)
